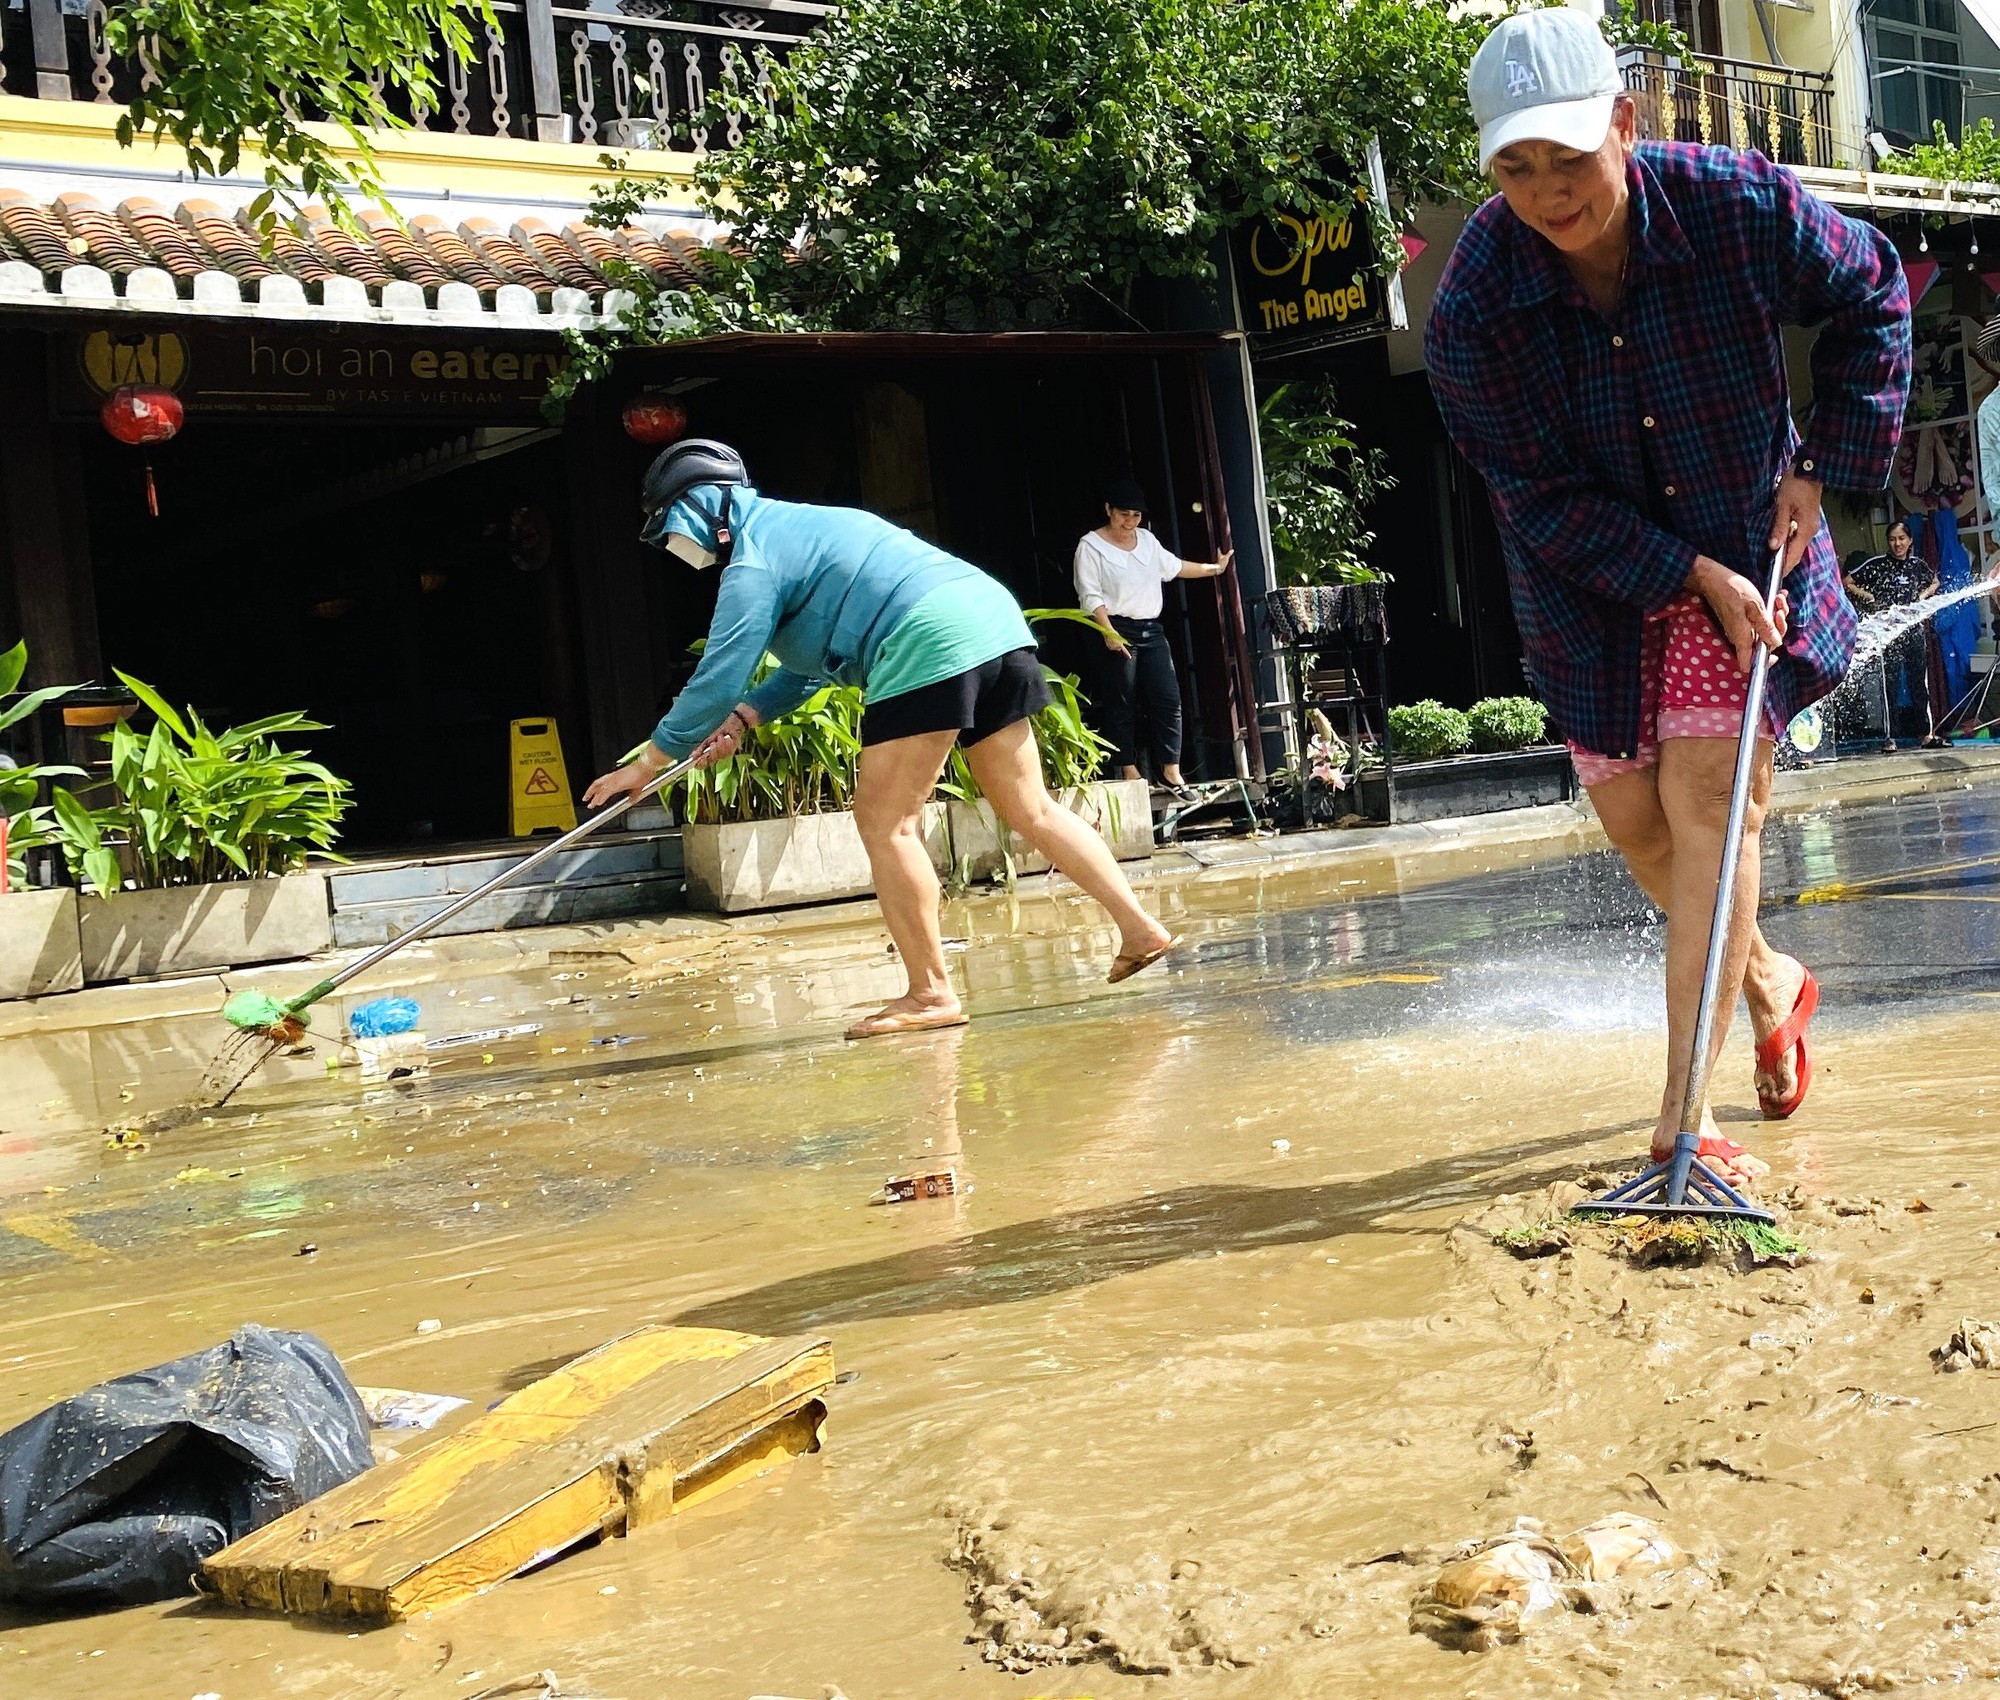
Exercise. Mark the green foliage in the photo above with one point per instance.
(1318, 483)
(236, 74)
(806, 762)
(1625, 27)
(802, 763)
(973, 164)
(30, 822)
(190, 806)
(1424, 731)
(1507, 723)
(1973, 158)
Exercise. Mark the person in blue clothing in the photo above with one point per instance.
(942, 656)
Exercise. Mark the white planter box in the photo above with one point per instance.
(40, 950)
(189, 928)
(772, 864)
(1120, 810)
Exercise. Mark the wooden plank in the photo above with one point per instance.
(621, 1438)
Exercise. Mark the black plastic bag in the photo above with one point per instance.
(115, 1497)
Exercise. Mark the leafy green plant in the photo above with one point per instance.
(802, 763)
(1626, 26)
(30, 822)
(1507, 723)
(1973, 158)
(987, 164)
(226, 75)
(806, 762)
(190, 806)
(1424, 731)
(1318, 483)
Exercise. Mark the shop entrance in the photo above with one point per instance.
(407, 583)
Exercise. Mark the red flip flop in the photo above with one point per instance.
(1790, 1034)
(1712, 1149)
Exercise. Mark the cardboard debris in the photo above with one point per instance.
(904, 1189)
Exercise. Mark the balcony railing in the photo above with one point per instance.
(1783, 114)
(613, 73)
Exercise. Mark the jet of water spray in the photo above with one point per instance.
(1883, 627)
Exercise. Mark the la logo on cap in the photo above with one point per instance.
(1522, 78)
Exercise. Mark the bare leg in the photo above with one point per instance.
(1636, 823)
(896, 781)
(1171, 773)
(1694, 783)
(1010, 773)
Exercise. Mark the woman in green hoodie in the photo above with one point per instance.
(942, 656)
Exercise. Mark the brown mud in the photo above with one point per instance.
(1195, 1384)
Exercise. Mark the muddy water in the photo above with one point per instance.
(1157, 1394)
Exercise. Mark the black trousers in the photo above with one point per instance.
(1907, 686)
(1142, 681)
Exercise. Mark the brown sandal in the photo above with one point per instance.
(1124, 967)
(884, 1024)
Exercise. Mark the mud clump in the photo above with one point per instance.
(1143, 1616)
(1492, 1590)
(1973, 1345)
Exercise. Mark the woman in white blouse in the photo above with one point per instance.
(1120, 568)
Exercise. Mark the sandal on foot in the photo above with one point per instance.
(884, 1023)
(1790, 1035)
(1714, 1149)
(1124, 967)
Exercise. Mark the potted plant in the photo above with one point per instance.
(1119, 810)
(197, 859)
(40, 948)
(1318, 484)
(1492, 756)
(771, 825)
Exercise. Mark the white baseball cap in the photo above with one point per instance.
(1544, 76)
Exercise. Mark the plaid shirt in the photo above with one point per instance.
(1617, 451)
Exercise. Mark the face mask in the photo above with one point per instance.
(685, 548)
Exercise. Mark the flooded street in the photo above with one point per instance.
(1183, 1390)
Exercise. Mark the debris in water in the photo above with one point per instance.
(1975, 1345)
(1492, 1590)
(1534, 1239)
(904, 1189)
(429, 1325)
(392, 1407)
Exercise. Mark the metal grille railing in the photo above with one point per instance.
(615, 73)
(1785, 115)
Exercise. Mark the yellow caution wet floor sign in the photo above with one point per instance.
(538, 798)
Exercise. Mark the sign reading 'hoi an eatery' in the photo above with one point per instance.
(347, 371)
(1306, 281)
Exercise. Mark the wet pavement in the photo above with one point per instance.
(1184, 1384)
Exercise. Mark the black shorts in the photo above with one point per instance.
(975, 704)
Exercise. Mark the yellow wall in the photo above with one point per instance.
(81, 133)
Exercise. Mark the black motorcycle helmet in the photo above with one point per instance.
(688, 465)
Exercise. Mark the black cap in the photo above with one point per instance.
(1126, 492)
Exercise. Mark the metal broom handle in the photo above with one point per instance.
(555, 847)
(1700, 1063)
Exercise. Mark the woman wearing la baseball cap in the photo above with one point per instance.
(1605, 348)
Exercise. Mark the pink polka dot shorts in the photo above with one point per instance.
(1688, 688)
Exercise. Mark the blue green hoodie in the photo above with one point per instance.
(821, 589)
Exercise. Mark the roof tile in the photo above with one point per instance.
(235, 250)
(560, 269)
(155, 228)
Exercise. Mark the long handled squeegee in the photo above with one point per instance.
(258, 1012)
(1684, 1185)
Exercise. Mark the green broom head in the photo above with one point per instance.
(259, 1012)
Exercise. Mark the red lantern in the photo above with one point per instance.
(143, 414)
(654, 418)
